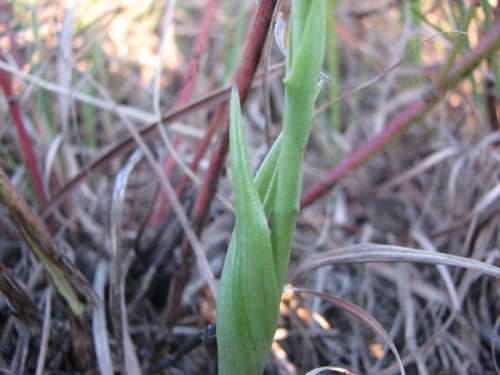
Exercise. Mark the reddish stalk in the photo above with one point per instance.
(202, 147)
(198, 51)
(26, 145)
(244, 77)
(488, 44)
(188, 86)
(491, 98)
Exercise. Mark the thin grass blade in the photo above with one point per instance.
(363, 253)
(361, 314)
(129, 363)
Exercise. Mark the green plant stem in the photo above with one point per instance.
(303, 68)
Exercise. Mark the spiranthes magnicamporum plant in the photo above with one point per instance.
(257, 259)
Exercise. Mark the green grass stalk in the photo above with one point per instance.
(307, 45)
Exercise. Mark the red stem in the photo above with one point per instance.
(188, 86)
(202, 147)
(26, 145)
(243, 79)
(198, 51)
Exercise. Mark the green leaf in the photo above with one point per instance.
(249, 297)
(267, 176)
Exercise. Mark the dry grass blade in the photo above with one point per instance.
(67, 279)
(443, 270)
(44, 346)
(361, 314)
(19, 300)
(329, 370)
(364, 253)
(409, 308)
(424, 165)
(482, 237)
(495, 345)
(99, 326)
(64, 72)
(133, 113)
(18, 365)
(165, 26)
(487, 201)
(186, 168)
(129, 363)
